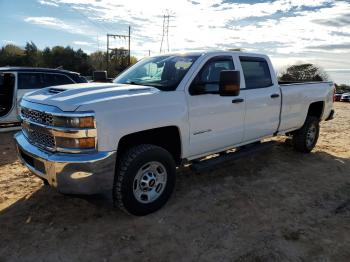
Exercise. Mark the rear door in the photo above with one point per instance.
(216, 122)
(262, 96)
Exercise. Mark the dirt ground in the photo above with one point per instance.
(277, 206)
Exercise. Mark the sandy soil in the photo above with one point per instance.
(277, 206)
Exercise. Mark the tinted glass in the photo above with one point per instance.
(256, 72)
(162, 72)
(56, 79)
(207, 80)
(30, 81)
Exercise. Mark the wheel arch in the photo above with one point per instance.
(167, 137)
(316, 109)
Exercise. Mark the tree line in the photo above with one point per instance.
(79, 61)
(64, 57)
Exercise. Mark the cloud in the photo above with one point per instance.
(58, 24)
(6, 42)
(48, 2)
(340, 20)
(83, 43)
(289, 30)
(331, 47)
(219, 22)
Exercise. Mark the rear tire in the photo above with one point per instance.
(144, 180)
(305, 139)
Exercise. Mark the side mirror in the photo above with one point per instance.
(100, 76)
(229, 84)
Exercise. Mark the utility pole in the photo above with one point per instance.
(125, 37)
(165, 34)
(129, 48)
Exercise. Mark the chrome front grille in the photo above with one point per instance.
(41, 128)
(38, 135)
(37, 116)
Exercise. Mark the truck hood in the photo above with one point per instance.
(70, 97)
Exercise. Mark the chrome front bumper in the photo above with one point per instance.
(88, 173)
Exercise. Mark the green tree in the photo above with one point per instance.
(98, 60)
(63, 57)
(12, 55)
(33, 56)
(342, 88)
(303, 73)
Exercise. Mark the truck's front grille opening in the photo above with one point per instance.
(37, 116)
(36, 164)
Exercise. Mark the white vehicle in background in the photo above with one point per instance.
(345, 97)
(17, 81)
(128, 137)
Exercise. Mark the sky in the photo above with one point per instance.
(289, 31)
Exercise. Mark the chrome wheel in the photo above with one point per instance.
(311, 135)
(149, 182)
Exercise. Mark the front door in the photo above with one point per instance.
(216, 122)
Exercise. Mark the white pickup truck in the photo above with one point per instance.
(128, 137)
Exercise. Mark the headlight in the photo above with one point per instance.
(75, 143)
(75, 122)
(75, 133)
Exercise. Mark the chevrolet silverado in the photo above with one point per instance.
(128, 137)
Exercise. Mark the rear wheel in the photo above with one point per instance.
(305, 139)
(145, 179)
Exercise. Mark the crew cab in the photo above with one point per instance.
(17, 81)
(128, 137)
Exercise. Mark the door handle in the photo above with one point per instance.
(275, 95)
(237, 100)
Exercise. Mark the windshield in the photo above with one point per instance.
(162, 72)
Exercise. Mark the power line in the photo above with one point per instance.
(121, 50)
(96, 25)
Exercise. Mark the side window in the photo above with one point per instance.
(56, 79)
(256, 72)
(30, 81)
(207, 80)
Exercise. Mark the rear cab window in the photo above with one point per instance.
(256, 72)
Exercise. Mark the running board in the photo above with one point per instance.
(206, 165)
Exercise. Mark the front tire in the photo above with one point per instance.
(144, 180)
(305, 139)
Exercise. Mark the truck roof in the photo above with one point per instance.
(208, 52)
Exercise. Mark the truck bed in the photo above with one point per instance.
(296, 98)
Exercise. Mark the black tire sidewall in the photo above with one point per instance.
(300, 137)
(130, 203)
(312, 121)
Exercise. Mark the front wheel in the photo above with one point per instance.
(305, 139)
(145, 179)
